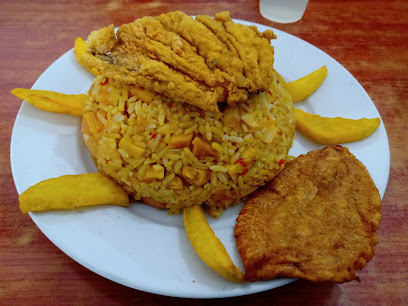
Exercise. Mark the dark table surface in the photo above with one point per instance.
(369, 38)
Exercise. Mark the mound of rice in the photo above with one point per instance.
(128, 130)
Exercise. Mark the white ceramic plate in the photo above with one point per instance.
(142, 247)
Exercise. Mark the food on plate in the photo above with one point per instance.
(305, 86)
(184, 112)
(53, 101)
(198, 61)
(334, 130)
(281, 79)
(316, 220)
(208, 246)
(79, 48)
(72, 191)
(181, 155)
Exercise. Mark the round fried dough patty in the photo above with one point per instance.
(316, 220)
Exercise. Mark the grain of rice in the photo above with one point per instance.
(186, 124)
(208, 133)
(178, 166)
(223, 178)
(235, 157)
(161, 117)
(236, 139)
(218, 147)
(168, 178)
(162, 152)
(118, 117)
(190, 155)
(248, 137)
(218, 168)
(190, 129)
(214, 179)
(123, 153)
(200, 166)
(142, 171)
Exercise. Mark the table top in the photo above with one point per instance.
(369, 38)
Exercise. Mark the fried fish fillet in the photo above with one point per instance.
(316, 220)
(199, 61)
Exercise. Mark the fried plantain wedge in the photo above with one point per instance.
(208, 246)
(304, 87)
(52, 101)
(73, 191)
(337, 130)
(79, 48)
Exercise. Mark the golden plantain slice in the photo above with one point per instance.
(79, 48)
(72, 191)
(337, 130)
(208, 246)
(51, 101)
(304, 87)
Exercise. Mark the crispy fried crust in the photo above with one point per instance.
(199, 61)
(316, 220)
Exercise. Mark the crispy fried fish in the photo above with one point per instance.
(199, 61)
(316, 220)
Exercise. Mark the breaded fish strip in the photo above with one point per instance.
(215, 53)
(255, 52)
(103, 40)
(126, 63)
(154, 75)
(238, 89)
(250, 46)
(186, 60)
(316, 220)
(149, 37)
(234, 48)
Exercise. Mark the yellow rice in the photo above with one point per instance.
(261, 144)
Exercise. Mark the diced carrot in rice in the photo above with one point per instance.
(234, 169)
(177, 183)
(196, 177)
(155, 172)
(131, 149)
(142, 93)
(249, 154)
(180, 141)
(203, 149)
(232, 118)
(269, 133)
(94, 125)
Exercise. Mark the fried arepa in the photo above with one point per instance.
(316, 220)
